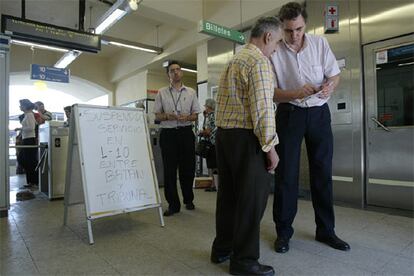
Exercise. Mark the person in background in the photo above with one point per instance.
(304, 65)
(44, 114)
(246, 156)
(177, 107)
(209, 133)
(68, 111)
(28, 156)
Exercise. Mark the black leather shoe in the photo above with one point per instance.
(219, 258)
(282, 245)
(189, 206)
(334, 242)
(169, 213)
(251, 269)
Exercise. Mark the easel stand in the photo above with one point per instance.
(110, 172)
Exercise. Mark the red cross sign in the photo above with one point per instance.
(332, 10)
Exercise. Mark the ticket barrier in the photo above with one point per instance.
(54, 136)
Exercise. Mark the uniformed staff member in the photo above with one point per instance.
(177, 107)
(304, 65)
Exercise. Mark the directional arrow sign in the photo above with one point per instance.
(213, 29)
(46, 73)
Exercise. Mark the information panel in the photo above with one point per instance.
(47, 73)
(47, 34)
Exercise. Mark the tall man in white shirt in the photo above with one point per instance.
(307, 74)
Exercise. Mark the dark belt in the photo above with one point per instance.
(289, 106)
(178, 128)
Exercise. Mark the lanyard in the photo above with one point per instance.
(175, 102)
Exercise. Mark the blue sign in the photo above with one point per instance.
(46, 73)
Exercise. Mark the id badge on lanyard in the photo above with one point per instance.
(176, 111)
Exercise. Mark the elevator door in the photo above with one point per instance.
(389, 100)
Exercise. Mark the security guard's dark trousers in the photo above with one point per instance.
(244, 186)
(292, 125)
(178, 151)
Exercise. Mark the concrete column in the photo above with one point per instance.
(202, 66)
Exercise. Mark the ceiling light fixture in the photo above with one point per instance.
(189, 70)
(184, 66)
(406, 64)
(37, 45)
(67, 59)
(131, 45)
(118, 10)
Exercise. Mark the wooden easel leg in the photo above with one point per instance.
(90, 234)
(161, 216)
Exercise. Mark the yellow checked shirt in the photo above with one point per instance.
(245, 96)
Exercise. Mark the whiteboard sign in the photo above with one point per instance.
(116, 159)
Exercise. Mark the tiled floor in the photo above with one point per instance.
(33, 240)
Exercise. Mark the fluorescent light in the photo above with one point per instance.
(166, 63)
(118, 10)
(37, 45)
(406, 64)
(132, 47)
(67, 59)
(133, 4)
(188, 70)
(110, 20)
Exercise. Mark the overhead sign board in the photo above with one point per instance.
(47, 34)
(46, 73)
(214, 29)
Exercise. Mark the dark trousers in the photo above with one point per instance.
(292, 125)
(242, 194)
(178, 151)
(27, 158)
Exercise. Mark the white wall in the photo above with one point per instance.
(131, 89)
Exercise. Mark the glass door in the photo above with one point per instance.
(389, 101)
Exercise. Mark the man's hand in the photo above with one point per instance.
(183, 117)
(327, 89)
(306, 90)
(272, 160)
(171, 117)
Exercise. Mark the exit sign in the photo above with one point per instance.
(213, 29)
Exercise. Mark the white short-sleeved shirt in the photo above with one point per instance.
(313, 64)
(182, 101)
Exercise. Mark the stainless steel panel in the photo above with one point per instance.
(56, 137)
(383, 19)
(390, 154)
(58, 157)
(220, 52)
(347, 118)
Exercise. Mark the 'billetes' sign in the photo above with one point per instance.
(213, 29)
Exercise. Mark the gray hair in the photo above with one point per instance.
(265, 25)
(211, 103)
